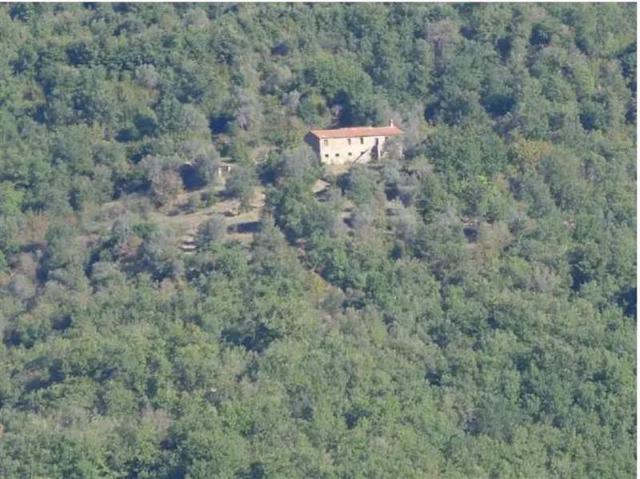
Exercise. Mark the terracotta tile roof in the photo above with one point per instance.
(358, 131)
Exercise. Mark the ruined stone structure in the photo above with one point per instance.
(351, 145)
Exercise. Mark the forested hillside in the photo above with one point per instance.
(465, 308)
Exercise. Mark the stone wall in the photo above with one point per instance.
(337, 151)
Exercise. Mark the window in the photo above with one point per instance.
(326, 155)
(349, 141)
(361, 141)
(337, 154)
(350, 153)
(326, 142)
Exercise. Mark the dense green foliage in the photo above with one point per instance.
(473, 315)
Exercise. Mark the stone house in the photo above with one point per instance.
(350, 145)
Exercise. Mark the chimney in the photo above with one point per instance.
(391, 123)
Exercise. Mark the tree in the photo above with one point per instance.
(241, 185)
(164, 181)
(360, 185)
(212, 231)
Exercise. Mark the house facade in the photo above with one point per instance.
(351, 145)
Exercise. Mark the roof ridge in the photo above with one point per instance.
(357, 131)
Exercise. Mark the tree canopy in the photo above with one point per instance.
(465, 308)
